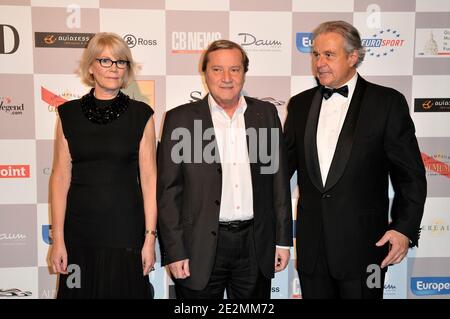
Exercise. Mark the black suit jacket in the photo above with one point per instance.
(350, 212)
(189, 194)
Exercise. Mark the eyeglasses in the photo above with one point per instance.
(107, 63)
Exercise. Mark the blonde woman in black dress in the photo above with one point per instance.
(103, 182)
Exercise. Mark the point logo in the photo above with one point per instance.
(14, 171)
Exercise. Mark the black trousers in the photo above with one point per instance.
(235, 269)
(322, 285)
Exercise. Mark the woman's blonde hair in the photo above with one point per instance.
(95, 47)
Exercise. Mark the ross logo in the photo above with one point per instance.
(8, 45)
(14, 171)
(436, 164)
(432, 105)
(61, 40)
(132, 41)
(47, 235)
(304, 42)
(7, 106)
(383, 43)
(192, 42)
(429, 286)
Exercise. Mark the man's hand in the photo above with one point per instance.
(282, 256)
(180, 269)
(398, 247)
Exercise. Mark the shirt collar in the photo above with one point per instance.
(215, 107)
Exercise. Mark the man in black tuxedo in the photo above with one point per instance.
(223, 204)
(344, 139)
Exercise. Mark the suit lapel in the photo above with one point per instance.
(203, 114)
(311, 156)
(251, 117)
(346, 137)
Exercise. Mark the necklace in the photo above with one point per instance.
(107, 114)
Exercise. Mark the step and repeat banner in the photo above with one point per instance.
(41, 41)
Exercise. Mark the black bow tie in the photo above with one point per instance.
(327, 93)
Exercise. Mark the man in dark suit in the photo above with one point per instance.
(223, 204)
(344, 139)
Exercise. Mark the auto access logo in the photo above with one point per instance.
(430, 286)
(61, 40)
(432, 105)
(14, 171)
(383, 43)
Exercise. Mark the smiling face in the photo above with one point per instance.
(108, 81)
(225, 76)
(332, 65)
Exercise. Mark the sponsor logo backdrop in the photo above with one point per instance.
(41, 41)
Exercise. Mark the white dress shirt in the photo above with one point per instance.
(237, 195)
(331, 119)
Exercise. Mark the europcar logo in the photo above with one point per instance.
(46, 234)
(304, 42)
(429, 286)
(383, 43)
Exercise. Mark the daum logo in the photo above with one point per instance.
(12, 238)
(429, 286)
(8, 44)
(304, 42)
(46, 234)
(249, 39)
(14, 171)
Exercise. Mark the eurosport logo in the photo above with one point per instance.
(383, 43)
(429, 286)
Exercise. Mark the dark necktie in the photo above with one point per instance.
(327, 93)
